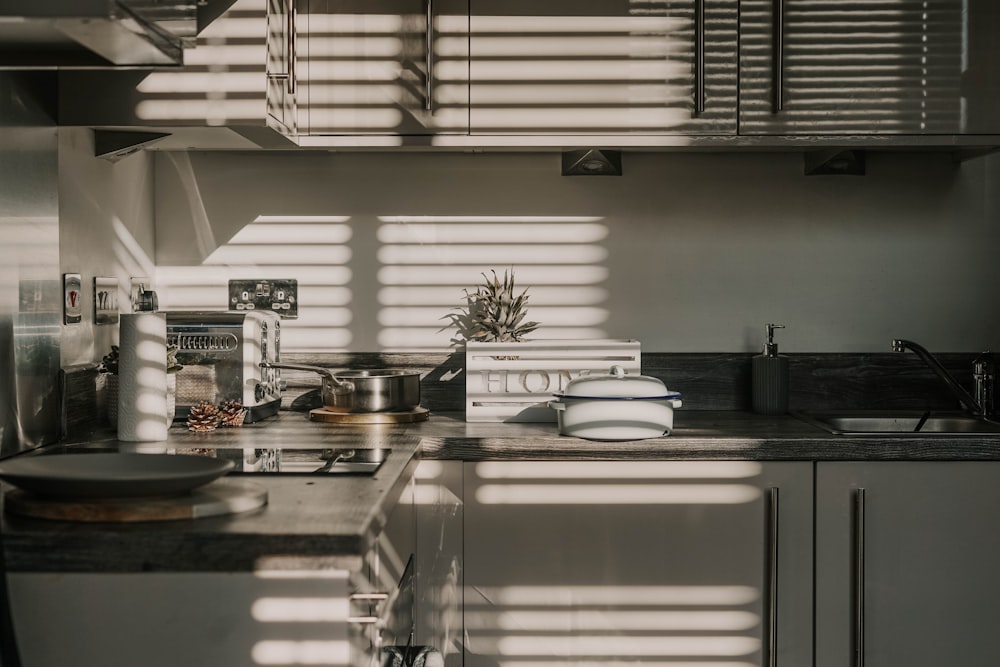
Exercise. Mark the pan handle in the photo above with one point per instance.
(342, 385)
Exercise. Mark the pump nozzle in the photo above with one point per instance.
(770, 347)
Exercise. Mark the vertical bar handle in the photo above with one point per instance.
(699, 57)
(429, 62)
(771, 584)
(859, 578)
(292, 45)
(778, 53)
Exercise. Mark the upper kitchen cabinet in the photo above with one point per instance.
(216, 100)
(869, 67)
(382, 67)
(282, 81)
(603, 67)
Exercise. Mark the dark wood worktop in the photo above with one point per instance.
(340, 516)
(707, 435)
(305, 517)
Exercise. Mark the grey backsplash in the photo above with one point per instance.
(707, 381)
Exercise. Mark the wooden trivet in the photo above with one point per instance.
(415, 415)
(214, 499)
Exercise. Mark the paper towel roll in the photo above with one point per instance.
(142, 377)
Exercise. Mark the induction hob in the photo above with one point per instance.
(255, 460)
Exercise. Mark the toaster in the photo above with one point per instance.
(221, 352)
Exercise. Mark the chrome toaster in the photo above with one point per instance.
(221, 352)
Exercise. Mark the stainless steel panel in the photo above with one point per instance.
(30, 291)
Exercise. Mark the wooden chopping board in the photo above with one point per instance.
(215, 499)
(417, 414)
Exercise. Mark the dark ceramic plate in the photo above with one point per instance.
(113, 475)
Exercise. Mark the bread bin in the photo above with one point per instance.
(615, 406)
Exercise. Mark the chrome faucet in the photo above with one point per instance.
(981, 404)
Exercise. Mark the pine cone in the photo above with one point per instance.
(231, 414)
(203, 417)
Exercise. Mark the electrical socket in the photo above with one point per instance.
(277, 295)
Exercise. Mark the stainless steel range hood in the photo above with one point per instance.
(50, 34)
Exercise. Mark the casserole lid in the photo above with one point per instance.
(617, 384)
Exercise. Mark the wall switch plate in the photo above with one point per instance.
(280, 296)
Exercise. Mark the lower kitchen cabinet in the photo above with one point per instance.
(638, 562)
(335, 611)
(438, 607)
(906, 564)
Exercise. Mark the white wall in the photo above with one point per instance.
(685, 252)
(105, 230)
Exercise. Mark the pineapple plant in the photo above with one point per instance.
(495, 314)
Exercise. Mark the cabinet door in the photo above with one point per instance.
(922, 563)
(439, 557)
(391, 67)
(658, 563)
(281, 66)
(869, 67)
(603, 67)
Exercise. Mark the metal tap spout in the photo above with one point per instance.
(963, 396)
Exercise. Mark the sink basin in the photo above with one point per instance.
(848, 422)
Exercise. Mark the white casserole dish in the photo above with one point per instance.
(616, 406)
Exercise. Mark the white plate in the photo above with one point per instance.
(71, 476)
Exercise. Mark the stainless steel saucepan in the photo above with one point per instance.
(364, 391)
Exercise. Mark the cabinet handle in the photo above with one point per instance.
(778, 66)
(771, 614)
(699, 57)
(859, 578)
(429, 62)
(366, 597)
(288, 76)
(292, 47)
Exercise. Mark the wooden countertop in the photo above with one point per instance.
(340, 516)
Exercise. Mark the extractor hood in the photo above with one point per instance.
(50, 34)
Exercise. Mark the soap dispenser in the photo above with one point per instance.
(770, 377)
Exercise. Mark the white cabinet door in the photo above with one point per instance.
(638, 562)
(571, 67)
(916, 582)
(869, 67)
(439, 557)
(281, 66)
(383, 67)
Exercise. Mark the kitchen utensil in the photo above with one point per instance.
(111, 475)
(616, 406)
(364, 391)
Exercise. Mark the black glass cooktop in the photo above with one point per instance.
(304, 461)
(256, 460)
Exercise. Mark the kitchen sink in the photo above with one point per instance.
(855, 422)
